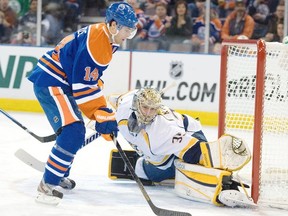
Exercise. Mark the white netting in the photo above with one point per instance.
(240, 106)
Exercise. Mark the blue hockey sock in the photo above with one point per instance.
(61, 157)
(58, 163)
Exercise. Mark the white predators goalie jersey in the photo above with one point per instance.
(163, 138)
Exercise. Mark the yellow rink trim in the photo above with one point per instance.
(7, 104)
(206, 118)
(274, 123)
(20, 105)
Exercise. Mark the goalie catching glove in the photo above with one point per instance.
(227, 153)
(106, 123)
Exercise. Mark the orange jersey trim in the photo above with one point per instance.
(63, 106)
(53, 67)
(90, 107)
(99, 45)
(84, 92)
(63, 42)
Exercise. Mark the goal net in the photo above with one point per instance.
(254, 106)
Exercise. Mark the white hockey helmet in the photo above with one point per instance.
(146, 104)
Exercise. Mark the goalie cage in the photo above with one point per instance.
(254, 105)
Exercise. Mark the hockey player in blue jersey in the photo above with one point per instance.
(67, 81)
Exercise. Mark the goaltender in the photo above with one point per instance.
(171, 145)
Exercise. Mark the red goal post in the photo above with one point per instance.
(254, 106)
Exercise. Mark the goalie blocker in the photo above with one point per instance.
(117, 167)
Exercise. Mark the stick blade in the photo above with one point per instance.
(29, 160)
(45, 139)
(166, 212)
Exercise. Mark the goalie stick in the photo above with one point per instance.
(155, 209)
(30, 160)
(39, 138)
(167, 88)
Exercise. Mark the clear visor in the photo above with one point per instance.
(131, 32)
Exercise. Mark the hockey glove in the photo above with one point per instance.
(106, 123)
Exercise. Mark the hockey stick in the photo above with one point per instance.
(52, 137)
(36, 164)
(167, 88)
(155, 209)
(39, 138)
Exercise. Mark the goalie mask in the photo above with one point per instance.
(146, 104)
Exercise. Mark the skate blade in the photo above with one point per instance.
(49, 200)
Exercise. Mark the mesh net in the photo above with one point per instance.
(240, 108)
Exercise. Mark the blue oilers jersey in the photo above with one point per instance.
(77, 63)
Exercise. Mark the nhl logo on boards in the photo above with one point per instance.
(176, 69)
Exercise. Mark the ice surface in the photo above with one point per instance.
(95, 194)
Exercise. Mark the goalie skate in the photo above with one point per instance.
(48, 194)
(234, 198)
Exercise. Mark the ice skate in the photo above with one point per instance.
(234, 198)
(67, 183)
(48, 194)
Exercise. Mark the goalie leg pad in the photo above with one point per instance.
(227, 153)
(117, 168)
(199, 183)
